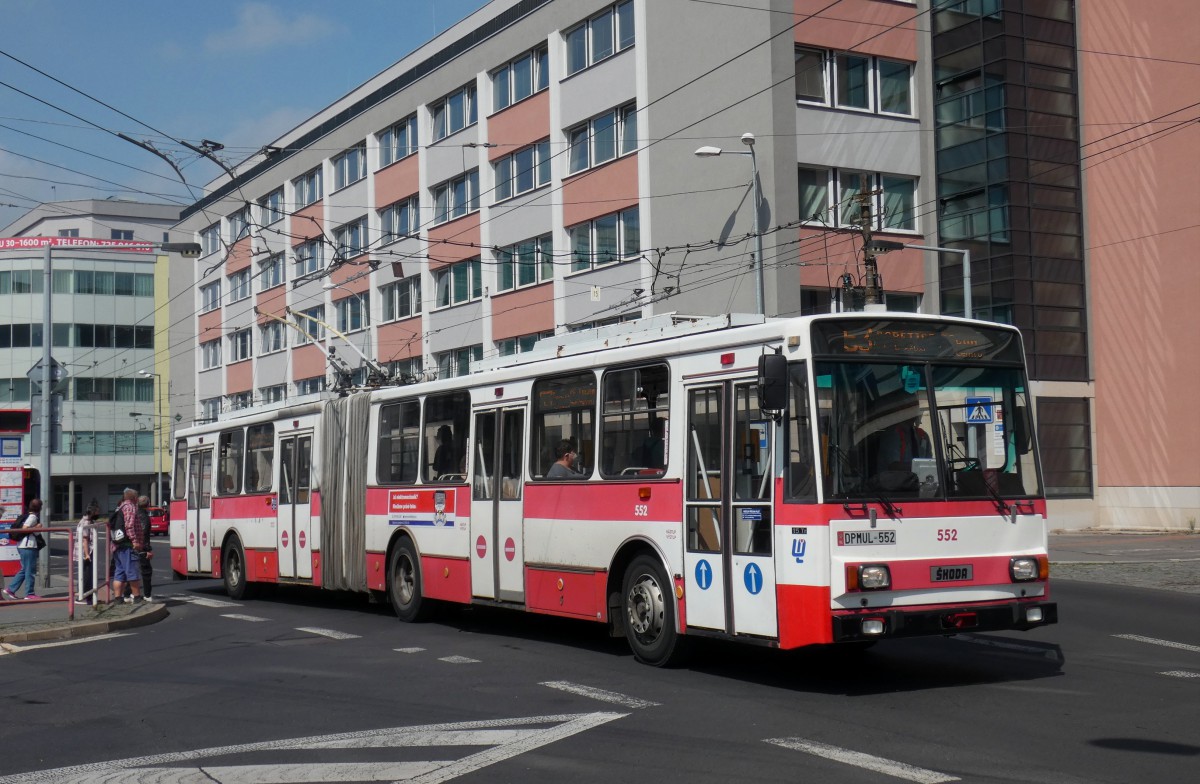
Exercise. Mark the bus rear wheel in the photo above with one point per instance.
(404, 585)
(233, 570)
(650, 614)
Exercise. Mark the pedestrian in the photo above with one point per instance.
(27, 549)
(85, 551)
(126, 535)
(147, 552)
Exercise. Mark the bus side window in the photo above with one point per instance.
(447, 418)
(634, 422)
(229, 462)
(260, 448)
(564, 408)
(399, 436)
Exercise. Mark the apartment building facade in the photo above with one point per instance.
(534, 170)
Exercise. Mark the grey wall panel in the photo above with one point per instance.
(855, 140)
(606, 85)
(455, 328)
(616, 285)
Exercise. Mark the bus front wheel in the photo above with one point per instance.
(404, 584)
(650, 614)
(233, 570)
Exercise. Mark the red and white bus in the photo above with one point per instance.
(826, 479)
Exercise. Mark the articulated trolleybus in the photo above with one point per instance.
(827, 479)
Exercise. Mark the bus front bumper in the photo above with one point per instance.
(892, 623)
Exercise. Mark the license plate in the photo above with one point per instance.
(949, 574)
(850, 538)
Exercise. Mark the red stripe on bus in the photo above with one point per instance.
(804, 615)
(241, 507)
(262, 566)
(447, 579)
(662, 501)
(179, 560)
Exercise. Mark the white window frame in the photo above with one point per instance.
(450, 363)
(309, 257)
(410, 368)
(210, 239)
(210, 354)
(391, 149)
(276, 393)
(449, 204)
(272, 271)
(396, 293)
(521, 344)
(509, 263)
(272, 337)
(591, 33)
(210, 297)
(270, 207)
(831, 75)
(210, 408)
(841, 212)
(352, 313)
(441, 118)
(309, 386)
(505, 92)
(510, 168)
(446, 278)
(392, 226)
(308, 188)
(239, 400)
(584, 139)
(239, 224)
(311, 329)
(351, 239)
(628, 229)
(239, 285)
(241, 345)
(350, 166)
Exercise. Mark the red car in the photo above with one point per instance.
(160, 520)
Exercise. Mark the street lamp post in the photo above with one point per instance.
(712, 152)
(157, 432)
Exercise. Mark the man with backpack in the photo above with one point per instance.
(128, 539)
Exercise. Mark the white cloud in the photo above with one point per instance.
(261, 26)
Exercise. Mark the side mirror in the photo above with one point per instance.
(1022, 430)
(772, 382)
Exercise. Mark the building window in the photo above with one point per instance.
(210, 297)
(350, 166)
(893, 205)
(457, 362)
(398, 142)
(121, 234)
(454, 112)
(525, 263)
(400, 220)
(406, 370)
(271, 272)
(401, 299)
(520, 78)
(210, 354)
(523, 171)
(309, 321)
(238, 401)
(276, 393)
(1065, 435)
(508, 347)
(239, 285)
(352, 313)
(30, 282)
(605, 240)
(602, 138)
(308, 257)
(210, 239)
(210, 409)
(600, 37)
(310, 386)
(308, 187)
(458, 283)
(241, 345)
(239, 224)
(272, 337)
(68, 233)
(351, 239)
(855, 81)
(455, 198)
(270, 207)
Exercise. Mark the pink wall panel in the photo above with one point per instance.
(826, 258)
(341, 278)
(307, 361)
(454, 241)
(854, 25)
(396, 181)
(400, 340)
(272, 301)
(239, 256)
(519, 125)
(239, 377)
(308, 222)
(599, 191)
(523, 312)
(210, 326)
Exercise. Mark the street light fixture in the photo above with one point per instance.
(712, 152)
(886, 246)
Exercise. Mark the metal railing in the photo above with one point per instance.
(72, 587)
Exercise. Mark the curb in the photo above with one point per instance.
(70, 630)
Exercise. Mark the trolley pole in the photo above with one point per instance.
(871, 293)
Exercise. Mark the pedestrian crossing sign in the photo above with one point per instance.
(979, 410)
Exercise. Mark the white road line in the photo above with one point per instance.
(240, 617)
(459, 660)
(12, 648)
(1181, 674)
(1165, 643)
(878, 764)
(600, 694)
(408, 650)
(203, 602)
(331, 633)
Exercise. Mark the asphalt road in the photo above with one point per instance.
(249, 692)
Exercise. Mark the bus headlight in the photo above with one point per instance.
(1027, 568)
(874, 577)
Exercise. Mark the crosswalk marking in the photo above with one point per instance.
(330, 633)
(206, 602)
(458, 660)
(408, 650)
(1165, 643)
(600, 694)
(858, 759)
(8, 647)
(240, 617)
(1181, 674)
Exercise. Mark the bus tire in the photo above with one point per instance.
(233, 570)
(649, 614)
(404, 584)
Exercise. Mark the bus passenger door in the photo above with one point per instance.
(728, 488)
(293, 532)
(497, 489)
(199, 514)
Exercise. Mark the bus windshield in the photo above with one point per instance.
(923, 430)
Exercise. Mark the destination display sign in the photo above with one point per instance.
(908, 340)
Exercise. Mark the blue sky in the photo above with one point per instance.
(238, 72)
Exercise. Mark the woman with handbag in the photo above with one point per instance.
(28, 552)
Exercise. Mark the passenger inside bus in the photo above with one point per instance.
(444, 460)
(564, 466)
(650, 453)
